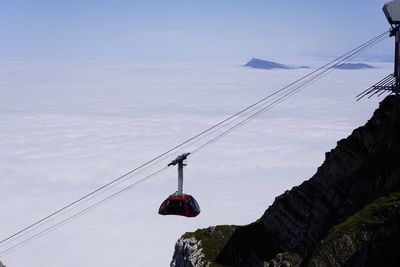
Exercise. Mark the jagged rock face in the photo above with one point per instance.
(1, 264)
(201, 247)
(371, 237)
(188, 253)
(286, 259)
(362, 168)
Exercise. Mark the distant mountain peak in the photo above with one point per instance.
(257, 63)
(353, 66)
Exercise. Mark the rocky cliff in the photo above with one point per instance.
(347, 214)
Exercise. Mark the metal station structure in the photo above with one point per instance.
(390, 83)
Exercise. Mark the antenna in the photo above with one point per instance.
(390, 83)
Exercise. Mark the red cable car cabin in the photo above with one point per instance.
(184, 205)
(179, 203)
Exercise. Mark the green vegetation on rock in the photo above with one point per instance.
(213, 240)
(369, 218)
(347, 214)
(282, 196)
(252, 239)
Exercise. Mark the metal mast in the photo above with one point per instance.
(390, 83)
(180, 161)
(396, 32)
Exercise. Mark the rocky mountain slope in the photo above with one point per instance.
(347, 214)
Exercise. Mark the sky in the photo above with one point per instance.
(185, 30)
(92, 89)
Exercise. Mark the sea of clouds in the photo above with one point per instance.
(68, 128)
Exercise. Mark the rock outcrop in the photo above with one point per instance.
(188, 253)
(202, 247)
(371, 237)
(346, 214)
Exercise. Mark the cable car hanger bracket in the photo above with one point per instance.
(180, 161)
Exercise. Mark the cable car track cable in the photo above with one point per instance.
(308, 79)
(281, 99)
(80, 213)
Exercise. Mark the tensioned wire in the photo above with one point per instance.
(281, 95)
(79, 214)
(367, 43)
(288, 94)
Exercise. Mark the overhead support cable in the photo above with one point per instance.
(243, 116)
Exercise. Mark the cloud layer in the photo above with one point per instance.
(66, 129)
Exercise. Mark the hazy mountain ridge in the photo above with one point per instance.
(348, 213)
(257, 63)
(353, 66)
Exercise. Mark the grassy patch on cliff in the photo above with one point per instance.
(213, 240)
(250, 238)
(248, 242)
(282, 196)
(369, 218)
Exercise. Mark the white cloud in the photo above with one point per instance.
(66, 129)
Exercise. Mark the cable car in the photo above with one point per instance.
(179, 203)
(184, 205)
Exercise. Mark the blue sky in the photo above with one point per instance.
(185, 30)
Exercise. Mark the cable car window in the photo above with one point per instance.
(162, 207)
(193, 206)
(175, 206)
(190, 206)
(196, 205)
